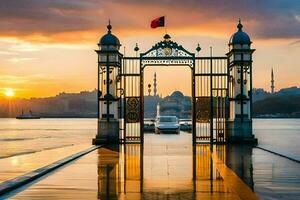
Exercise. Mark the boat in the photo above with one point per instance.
(27, 116)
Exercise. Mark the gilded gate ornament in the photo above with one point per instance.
(132, 109)
(166, 50)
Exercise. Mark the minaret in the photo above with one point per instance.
(154, 85)
(272, 82)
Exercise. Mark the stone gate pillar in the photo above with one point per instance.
(240, 88)
(109, 64)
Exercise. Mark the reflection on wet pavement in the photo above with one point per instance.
(166, 167)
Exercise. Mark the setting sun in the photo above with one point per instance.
(9, 92)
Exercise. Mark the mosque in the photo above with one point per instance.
(176, 104)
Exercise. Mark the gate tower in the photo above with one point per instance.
(240, 84)
(109, 92)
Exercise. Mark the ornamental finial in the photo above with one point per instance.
(240, 25)
(136, 48)
(109, 27)
(167, 37)
(198, 48)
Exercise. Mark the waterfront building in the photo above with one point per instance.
(150, 106)
(176, 104)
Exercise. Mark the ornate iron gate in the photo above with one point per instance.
(209, 91)
(211, 99)
(131, 108)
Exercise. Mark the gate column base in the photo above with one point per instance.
(240, 132)
(108, 132)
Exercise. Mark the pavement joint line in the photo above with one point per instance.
(241, 189)
(22, 180)
(278, 154)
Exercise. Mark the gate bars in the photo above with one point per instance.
(210, 106)
(210, 100)
(131, 101)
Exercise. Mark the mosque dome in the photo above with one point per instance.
(240, 37)
(109, 38)
(177, 94)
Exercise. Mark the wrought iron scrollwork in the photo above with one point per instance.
(168, 62)
(203, 109)
(167, 52)
(167, 48)
(132, 109)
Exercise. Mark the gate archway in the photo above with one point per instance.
(209, 91)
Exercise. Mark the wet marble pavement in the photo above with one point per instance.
(18, 165)
(167, 167)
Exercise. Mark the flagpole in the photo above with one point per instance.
(166, 24)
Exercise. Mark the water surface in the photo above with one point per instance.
(29, 136)
(279, 135)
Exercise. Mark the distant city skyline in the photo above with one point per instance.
(40, 58)
(4, 97)
(84, 103)
(163, 88)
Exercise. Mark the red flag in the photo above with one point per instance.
(158, 22)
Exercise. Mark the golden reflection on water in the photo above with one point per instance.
(122, 175)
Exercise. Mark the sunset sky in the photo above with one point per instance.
(47, 46)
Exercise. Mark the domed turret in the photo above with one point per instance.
(240, 37)
(109, 39)
(239, 124)
(109, 94)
